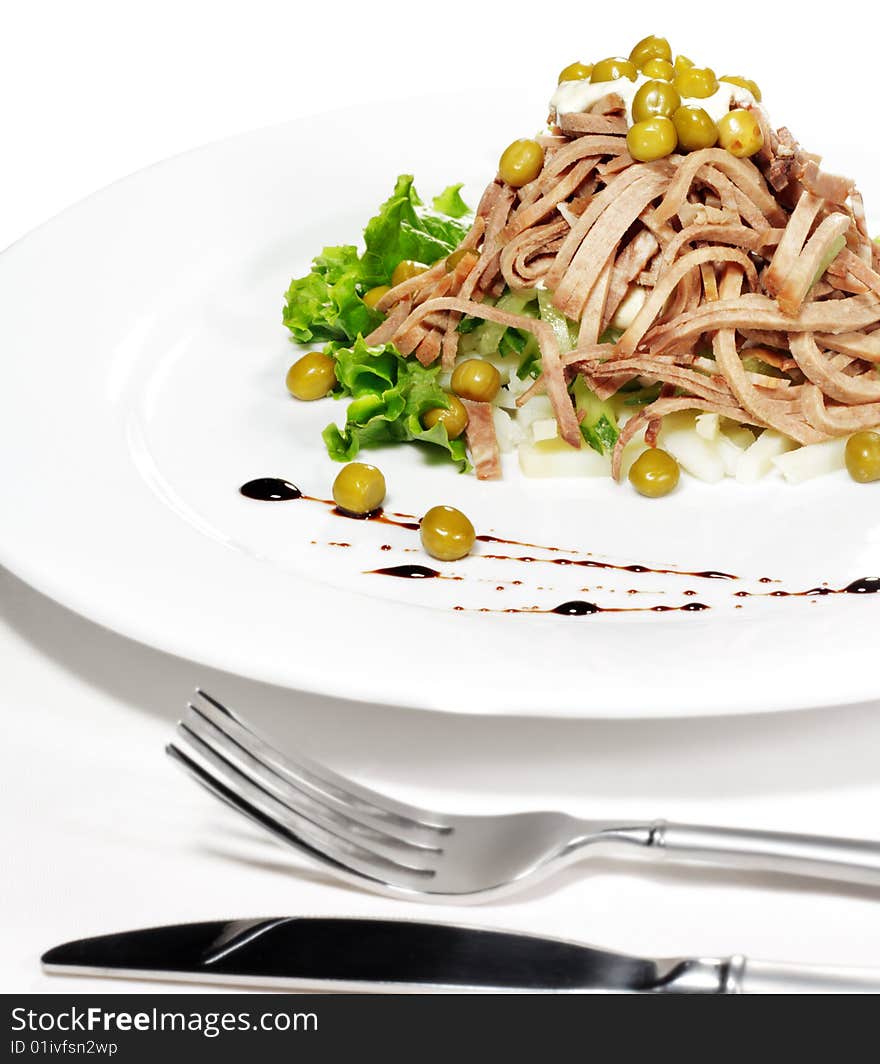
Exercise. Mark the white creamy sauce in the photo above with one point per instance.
(575, 97)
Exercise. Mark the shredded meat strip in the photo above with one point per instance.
(600, 242)
(668, 283)
(744, 174)
(746, 264)
(482, 440)
(793, 290)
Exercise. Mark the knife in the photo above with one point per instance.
(395, 956)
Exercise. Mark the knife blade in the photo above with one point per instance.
(374, 955)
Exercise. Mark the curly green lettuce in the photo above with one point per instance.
(327, 303)
(389, 394)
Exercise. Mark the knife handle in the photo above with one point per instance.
(844, 860)
(745, 976)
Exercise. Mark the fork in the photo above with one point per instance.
(374, 841)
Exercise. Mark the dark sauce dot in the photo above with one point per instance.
(765, 580)
(694, 607)
(270, 489)
(576, 608)
(636, 569)
(408, 572)
(868, 585)
(690, 594)
(819, 591)
(385, 546)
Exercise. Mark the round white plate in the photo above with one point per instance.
(144, 360)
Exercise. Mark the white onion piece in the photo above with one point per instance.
(730, 453)
(537, 408)
(556, 458)
(708, 426)
(756, 461)
(739, 434)
(693, 453)
(813, 460)
(508, 433)
(630, 305)
(544, 429)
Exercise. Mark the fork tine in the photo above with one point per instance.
(302, 772)
(312, 806)
(239, 803)
(351, 855)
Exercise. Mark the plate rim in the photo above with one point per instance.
(858, 687)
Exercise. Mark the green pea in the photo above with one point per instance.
(695, 128)
(312, 377)
(576, 72)
(359, 489)
(454, 418)
(698, 82)
(654, 473)
(521, 162)
(740, 132)
(655, 98)
(476, 379)
(654, 138)
(650, 48)
(446, 533)
(863, 457)
(744, 83)
(613, 69)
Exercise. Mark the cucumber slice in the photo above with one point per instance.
(599, 426)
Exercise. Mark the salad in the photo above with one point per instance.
(658, 280)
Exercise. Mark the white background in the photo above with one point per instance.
(98, 831)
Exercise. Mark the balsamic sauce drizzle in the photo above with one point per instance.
(865, 585)
(270, 489)
(580, 608)
(274, 489)
(591, 563)
(414, 572)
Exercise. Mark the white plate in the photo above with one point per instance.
(143, 384)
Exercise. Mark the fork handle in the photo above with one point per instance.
(746, 976)
(844, 860)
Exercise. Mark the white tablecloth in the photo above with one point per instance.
(101, 832)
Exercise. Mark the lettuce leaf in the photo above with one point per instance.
(404, 229)
(450, 202)
(389, 396)
(327, 303)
